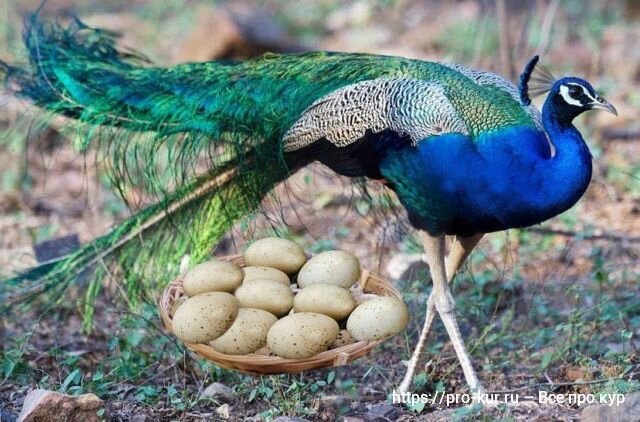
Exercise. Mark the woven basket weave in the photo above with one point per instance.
(261, 364)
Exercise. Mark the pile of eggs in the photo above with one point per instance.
(257, 309)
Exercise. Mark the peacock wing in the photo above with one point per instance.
(407, 106)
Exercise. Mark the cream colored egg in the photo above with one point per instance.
(176, 304)
(212, 276)
(282, 254)
(268, 295)
(342, 339)
(205, 317)
(258, 272)
(333, 267)
(302, 335)
(264, 351)
(327, 299)
(247, 334)
(365, 297)
(378, 318)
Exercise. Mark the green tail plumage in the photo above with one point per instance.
(147, 248)
(157, 130)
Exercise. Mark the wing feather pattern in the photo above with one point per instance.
(484, 78)
(411, 107)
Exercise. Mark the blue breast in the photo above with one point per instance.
(457, 185)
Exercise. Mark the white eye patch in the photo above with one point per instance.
(564, 91)
(585, 91)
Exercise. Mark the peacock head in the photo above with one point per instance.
(567, 97)
(571, 96)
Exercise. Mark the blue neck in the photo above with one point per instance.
(458, 185)
(568, 172)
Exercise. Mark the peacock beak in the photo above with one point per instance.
(603, 104)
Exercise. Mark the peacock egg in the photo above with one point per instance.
(212, 276)
(205, 317)
(302, 335)
(268, 295)
(378, 318)
(282, 254)
(333, 267)
(254, 272)
(247, 334)
(327, 299)
(342, 339)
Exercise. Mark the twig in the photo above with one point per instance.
(621, 133)
(570, 233)
(162, 371)
(505, 49)
(547, 24)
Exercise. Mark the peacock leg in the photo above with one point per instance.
(460, 250)
(434, 248)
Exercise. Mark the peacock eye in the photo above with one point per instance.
(575, 92)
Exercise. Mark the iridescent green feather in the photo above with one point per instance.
(204, 181)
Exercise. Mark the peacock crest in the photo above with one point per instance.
(535, 80)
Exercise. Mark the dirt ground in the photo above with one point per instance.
(554, 308)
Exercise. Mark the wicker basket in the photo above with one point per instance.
(262, 364)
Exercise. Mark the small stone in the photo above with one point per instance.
(627, 411)
(382, 412)
(219, 391)
(223, 411)
(289, 419)
(371, 394)
(339, 404)
(45, 405)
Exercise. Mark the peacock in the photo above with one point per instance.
(464, 151)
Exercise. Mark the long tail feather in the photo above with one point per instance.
(203, 139)
(156, 127)
(148, 247)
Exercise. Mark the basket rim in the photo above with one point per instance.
(255, 363)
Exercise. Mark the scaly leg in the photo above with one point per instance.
(434, 248)
(460, 250)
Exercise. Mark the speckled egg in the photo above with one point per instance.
(282, 254)
(205, 317)
(212, 276)
(247, 334)
(302, 335)
(269, 295)
(258, 272)
(342, 339)
(378, 318)
(339, 268)
(327, 299)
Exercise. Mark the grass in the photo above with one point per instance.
(514, 330)
(533, 307)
